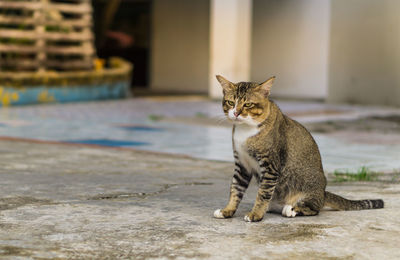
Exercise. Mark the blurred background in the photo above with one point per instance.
(337, 51)
(337, 65)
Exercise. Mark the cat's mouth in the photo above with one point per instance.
(237, 120)
(242, 120)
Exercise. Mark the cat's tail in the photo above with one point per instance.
(339, 203)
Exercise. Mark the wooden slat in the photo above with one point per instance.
(87, 44)
(69, 8)
(18, 49)
(49, 49)
(9, 19)
(55, 36)
(81, 8)
(25, 5)
(70, 50)
(40, 42)
(79, 23)
(70, 22)
(75, 36)
(16, 62)
(68, 64)
(31, 34)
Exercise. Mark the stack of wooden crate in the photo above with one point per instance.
(46, 35)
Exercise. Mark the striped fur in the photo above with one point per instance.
(339, 203)
(280, 153)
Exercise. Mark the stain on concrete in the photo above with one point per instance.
(110, 196)
(16, 202)
(142, 195)
(311, 255)
(198, 183)
(121, 195)
(287, 232)
(14, 251)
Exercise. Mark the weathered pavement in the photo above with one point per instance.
(77, 202)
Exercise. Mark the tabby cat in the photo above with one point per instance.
(279, 153)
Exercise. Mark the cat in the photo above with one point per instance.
(279, 153)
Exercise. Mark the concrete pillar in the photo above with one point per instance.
(230, 42)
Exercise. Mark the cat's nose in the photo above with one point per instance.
(236, 114)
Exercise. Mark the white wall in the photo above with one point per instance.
(365, 52)
(290, 40)
(180, 46)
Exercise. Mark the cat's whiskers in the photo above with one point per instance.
(220, 119)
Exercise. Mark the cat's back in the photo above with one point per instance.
(295, 133)
(300, 146)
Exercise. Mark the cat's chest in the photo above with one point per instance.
(240, 136)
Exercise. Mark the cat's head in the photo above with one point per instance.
(246, 102)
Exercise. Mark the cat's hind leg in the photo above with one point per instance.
(300, 205)
(306, 208)
(288, 211)
(291, 200)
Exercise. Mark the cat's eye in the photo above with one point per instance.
(231, 103)
(248, 105)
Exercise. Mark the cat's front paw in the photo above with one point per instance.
(253, 217)
(223, 213)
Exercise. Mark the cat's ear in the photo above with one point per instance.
(226, 84)
(265, 87)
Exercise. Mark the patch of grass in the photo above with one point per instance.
(153, 117)
(362, 174)
(201, 115)
(396, 175)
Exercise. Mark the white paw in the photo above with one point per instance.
(218, 214)
(288, 211)
(247, 219)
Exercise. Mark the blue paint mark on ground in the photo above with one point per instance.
(107, 142)
(142, 128)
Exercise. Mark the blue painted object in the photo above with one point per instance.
(143, 128)
(107, 142)
(49, 94)
(67, 86)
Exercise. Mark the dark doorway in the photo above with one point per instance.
(123, 29)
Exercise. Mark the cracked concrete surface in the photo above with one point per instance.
(79, 202)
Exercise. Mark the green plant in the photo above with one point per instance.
(153, 117)
(396, 175)
(362, 174)
(201, 115)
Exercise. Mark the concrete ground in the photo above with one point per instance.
(71, 200)
(62, 201)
